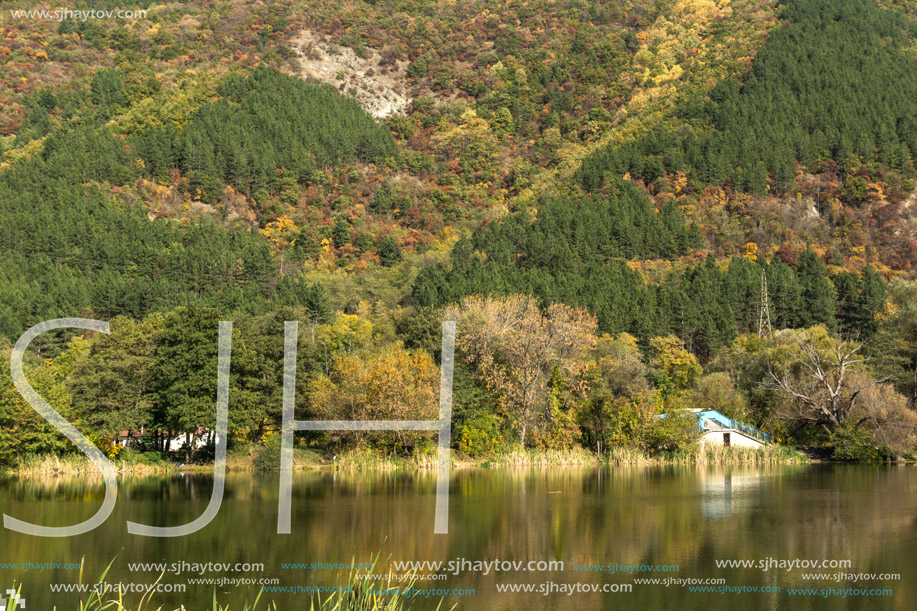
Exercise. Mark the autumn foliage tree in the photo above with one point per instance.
(677, 369)
(389, 384)
(884, 414)
(514, 345)
(281, 233)
(619, 402)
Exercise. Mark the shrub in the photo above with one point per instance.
(676, 431)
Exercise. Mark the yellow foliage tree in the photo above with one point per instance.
(392, 384)
(751, 251)
(280, 235)
(675, 362)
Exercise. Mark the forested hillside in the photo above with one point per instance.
(837, 81)
(674, 204)
(262, 122)
(69, 246)
(826, 114)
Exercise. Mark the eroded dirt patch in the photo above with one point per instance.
(377, 83)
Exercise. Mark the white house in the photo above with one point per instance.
(720, 430)
(128, 438)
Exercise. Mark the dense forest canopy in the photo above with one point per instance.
(69, 247)
(573, 252)
(264, 128)
(576, 251)
(838, 80)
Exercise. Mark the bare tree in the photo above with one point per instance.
(820, 382)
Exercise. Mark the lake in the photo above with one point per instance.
(671, 524)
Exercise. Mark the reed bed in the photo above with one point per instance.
(710, 454)
(370, 460)
(47, 464)
(524, 457)
(734, 455)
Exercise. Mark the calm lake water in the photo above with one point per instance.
(685, 516)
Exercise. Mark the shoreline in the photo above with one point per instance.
(310, 460)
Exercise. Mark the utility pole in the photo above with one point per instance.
(764, 311)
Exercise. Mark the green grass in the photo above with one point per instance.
(98, 600)
(362, 594)
(13, 605)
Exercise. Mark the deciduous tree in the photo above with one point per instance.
(390, 384)
(818, 376)
(514, 345)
